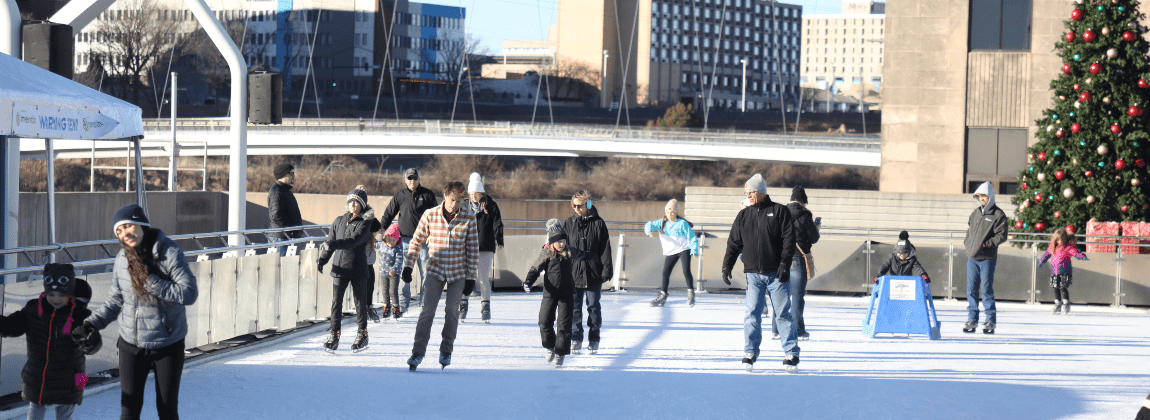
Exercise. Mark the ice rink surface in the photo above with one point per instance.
(677, 362)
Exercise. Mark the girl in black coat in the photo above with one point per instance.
(54, 372)
(558, 290)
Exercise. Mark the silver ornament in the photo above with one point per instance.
(1106, 31)
(1090, 199)
(1068, 193)
(1050, 127)
(1077, 104)
(1106, 100)
(1041, 176)
(1111, 53)
(1089, 80)
(1102, 149)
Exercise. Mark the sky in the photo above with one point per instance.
(524, 20)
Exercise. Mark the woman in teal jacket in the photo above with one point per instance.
(679, 243)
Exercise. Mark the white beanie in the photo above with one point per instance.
(476, 184)
(756, 183)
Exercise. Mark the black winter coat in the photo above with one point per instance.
(590, 235)
(764, 234)
(490, 225)
(52, 355)
(896, 266)
(345, 247)
(559, 279)
(409, 206)
(806, 233)
(283, 211)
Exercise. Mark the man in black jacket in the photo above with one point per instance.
(986, 232)
(283, 211)
(588, 232)
(764, 234)
(409, 204)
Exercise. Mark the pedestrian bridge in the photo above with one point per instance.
(352, 136)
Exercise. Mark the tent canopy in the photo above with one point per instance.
(37, 103)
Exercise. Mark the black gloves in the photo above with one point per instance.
(319, 263)
(784, 274)
(468, 287)
(727, 276)
(406, 275)
(81, 333)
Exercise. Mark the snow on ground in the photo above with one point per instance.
(680, 362)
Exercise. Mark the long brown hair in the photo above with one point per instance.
(1061, 238)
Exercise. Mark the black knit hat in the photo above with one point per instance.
(555, 232)
(131, 213)
(60, 278)
(282, 169)
(358, 195)
(902, 236)
(799, 194)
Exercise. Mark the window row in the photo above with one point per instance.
(665, 7)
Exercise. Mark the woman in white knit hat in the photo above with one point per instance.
(490, 225)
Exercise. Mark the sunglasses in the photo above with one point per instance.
(58, 281)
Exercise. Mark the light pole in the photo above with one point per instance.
(744, 61)
(603, 92)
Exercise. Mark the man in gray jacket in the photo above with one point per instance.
(987, 231)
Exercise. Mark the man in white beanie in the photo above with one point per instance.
(762, 233)
(490, 225)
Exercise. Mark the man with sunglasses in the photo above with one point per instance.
(588, 232)
(409, 204)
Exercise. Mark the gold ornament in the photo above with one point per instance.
(1089, 80)
(1106, 100)
(1135, 182)
(1090, 199)
(1041, 176)
(1102, 149)
(1106, 31)
(1068, 193)
(1111, 53)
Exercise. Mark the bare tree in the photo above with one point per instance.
(206, 57)
(454, 54)
(572, 78)
(132, 43)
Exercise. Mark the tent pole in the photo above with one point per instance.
(10, 28)
(175, 151)
(140, 186)
(11, 198)
(50, 160)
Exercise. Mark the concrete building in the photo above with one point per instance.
(844, 52)
(962, 94)
(521, 57)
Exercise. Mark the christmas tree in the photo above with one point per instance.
(1090, 159)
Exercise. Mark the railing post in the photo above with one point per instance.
(866, 276)
(699, 278)
(1118, 278)
(620, 265)
(950, 273)
(1033, 274)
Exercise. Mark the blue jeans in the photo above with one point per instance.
(758, 285)
(420, 264)
(798, 286)
(63, 411)
(980, 279)
(279, 249)
(594, 314)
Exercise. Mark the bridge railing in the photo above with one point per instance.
(527, 130)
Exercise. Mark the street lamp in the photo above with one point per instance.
(603, 92)
(744, 61)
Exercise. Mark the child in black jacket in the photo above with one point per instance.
(558, 290)
(902, 262)
(54, 372)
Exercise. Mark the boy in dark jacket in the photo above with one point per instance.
(902, 262)
(54, 373)
(557, 260)
(349, 234)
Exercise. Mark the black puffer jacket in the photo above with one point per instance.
(764, 235)
(896, 266)
(806, 233)
(345, 246)
(590, 235)
(559, 279)
(490, 225)
(409, 206)
(283, 211)
(49, 375)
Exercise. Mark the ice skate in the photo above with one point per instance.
(387, 312)
(550, 355)
(1057, 308)
(691, 298)
(576, 347)
(791, 364)
(558, 361)
(593, 347)
(988, 327)
(371, 314)
(332, 342)
(360, 343)
(775, 336)
(397, 312)
(444, 359)
(1066, 308)
(970, 326)
(462, 310)
(485, 312)
(414, 361)
(749, 362)
(659, 300)
(804, 336)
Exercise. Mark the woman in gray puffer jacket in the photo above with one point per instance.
(151, 285)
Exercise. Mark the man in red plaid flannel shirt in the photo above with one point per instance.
(452, 240)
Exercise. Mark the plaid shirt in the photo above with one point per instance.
(452, 247)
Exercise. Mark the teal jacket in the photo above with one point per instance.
(675, 237)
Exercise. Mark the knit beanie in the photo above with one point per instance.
(756, 183)
(60, 278)
(555, 232)
(799, 194)
(902, 236)
(282, 169)
(358, 194)
(393, 232)
(476, 183)
(131, 213)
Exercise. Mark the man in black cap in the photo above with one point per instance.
(283, 211)
(409, 204)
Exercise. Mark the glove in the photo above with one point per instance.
(927, 279)
(81, 380)
(526, 287)
(80, 334)
(727, 276)
(784, 274)
(1039, 264)
(406, 276)
(468, 287)
(319, 265)
(1084, 258)
(876, 280)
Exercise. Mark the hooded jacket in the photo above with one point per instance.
(988, 225)
(345, 246)
(896, 266)
(283, 211)
(806, 233)
(409, 205)
(49, 375)
(590, 235)
(489, 223)
(558, 279)
(764, 235)
(159, 319)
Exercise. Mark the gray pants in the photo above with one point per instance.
(431, 296)
(63, 411)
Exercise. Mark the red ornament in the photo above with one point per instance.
(1058, 133)
(1084, 96)
(1140, 163)
(1124, 208)
(1075, 127)
(1070, 36)
(1037, 198)
(1040, 226)
(1076, 14)
(1059, 175)
(1088, 36)
(1095, 68)
(1119, 164)
(1042, 156)
(1126, 36)
(1134, 111)
(1018, 224)
(1070, 229)
(1024, 185)
(1076, 87)
(1089, 174)
(1115, 129)
(1057, 214)
(1066, 68)
(1142, 84)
